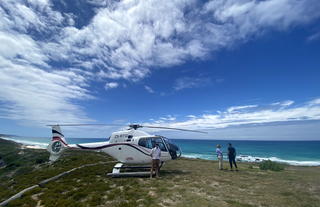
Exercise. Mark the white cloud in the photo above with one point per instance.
(149, 89)
(314, 102)
(168, 118)
(125, 39)
(32, 91)
(191, 116)
(283, 103)
(251, 16)
(237, 116)
(239, 108)
(111, 85)
(190, 82)
(43, 56)
(129, 37)
(29, 94)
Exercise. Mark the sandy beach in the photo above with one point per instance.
(184, 182)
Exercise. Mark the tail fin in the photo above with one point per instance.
(58, 143)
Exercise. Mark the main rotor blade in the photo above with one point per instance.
(135, 126)
(188, 130)
(86, 125)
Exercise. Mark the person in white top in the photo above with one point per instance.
(155, 155)
(220, 156)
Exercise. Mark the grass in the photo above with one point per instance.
(184, 182)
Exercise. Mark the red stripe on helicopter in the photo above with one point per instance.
(59, 139)
(111, 145)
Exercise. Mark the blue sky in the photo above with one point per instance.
(240, 69)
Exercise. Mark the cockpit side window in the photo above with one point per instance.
(151, 142)
(146, 142)
(142, 142)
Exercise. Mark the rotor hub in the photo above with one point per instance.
(135, 126)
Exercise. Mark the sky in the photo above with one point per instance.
(237, 69)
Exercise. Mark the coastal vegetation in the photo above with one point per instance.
(269, 165)
(183, 182)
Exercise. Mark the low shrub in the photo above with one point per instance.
(269, 165)
(41, 160)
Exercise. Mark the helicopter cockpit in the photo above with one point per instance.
(164, 144)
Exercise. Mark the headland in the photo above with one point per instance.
(182, 182)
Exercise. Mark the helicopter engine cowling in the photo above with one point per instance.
(126, 136)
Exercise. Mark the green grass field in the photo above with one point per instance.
(183, 182)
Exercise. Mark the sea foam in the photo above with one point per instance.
(28, 144)
(248, 158)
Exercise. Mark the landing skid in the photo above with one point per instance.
(130, 171)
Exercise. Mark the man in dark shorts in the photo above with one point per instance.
(232, 156)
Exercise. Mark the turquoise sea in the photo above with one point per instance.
(304, 153)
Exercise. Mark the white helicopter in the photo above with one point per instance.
(130, 147)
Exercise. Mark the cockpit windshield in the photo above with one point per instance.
(174, 150)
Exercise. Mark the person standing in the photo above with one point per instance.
(232, 156)
(220, 156)
(155, 155)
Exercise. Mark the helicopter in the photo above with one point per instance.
(129, 147)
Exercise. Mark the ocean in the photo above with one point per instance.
(301, 153)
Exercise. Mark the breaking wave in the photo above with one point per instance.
(248, 158)
(27, 142)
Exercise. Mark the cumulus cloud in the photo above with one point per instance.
(45, 56)
(29, 94)
(32, 90)
(314, 102)
(251, 16)
(238, 116)
(111, 85)
(128, 38)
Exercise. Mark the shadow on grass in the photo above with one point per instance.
(170, 173)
